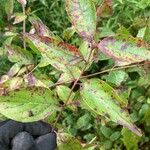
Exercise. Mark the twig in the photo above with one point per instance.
(114, 69)
(66, 102)
(76, 81)
(97, 73)
(24, 26)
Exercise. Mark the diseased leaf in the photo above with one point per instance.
(58, 56)
(19, 55)
(15, 83)
(28, 105)
(104, 102)
(32, 81)
(130, 140)
(14, 70)
(42, 29)
(82, 14)
(122, 52)
(19, 17)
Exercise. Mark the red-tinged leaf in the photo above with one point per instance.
(58, 56)
(123, 53)
(82, 14)
(69, 47)
(63, 45)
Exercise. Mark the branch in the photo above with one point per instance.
(76, 81)
(98, 73)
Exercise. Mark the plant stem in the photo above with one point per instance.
(98, 73)
(66, 102)
(76, 81)
(24, 26)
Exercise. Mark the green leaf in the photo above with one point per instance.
(123, 53)
(85, 50)
(147, 117)
(28, 105)
(106, 131)
(116, 77)
(63, 93)
(68, 33)
(130, 139)
(83, 121)
(67, 142)
(104, 101)
(44, 2)
(115, 136)
(1, 51)
(9, 7)
(82, 14)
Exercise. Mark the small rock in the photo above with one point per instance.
(22, 141)
(46, 142)
(38, 128)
